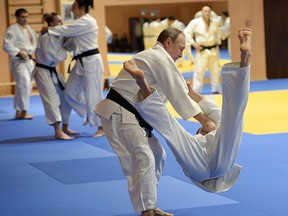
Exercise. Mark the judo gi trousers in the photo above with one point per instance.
(55, 105)
(84, 91)
(22, 72)
(214, 154)
(206, 59)
(141, 158)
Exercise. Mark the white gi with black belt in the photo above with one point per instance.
(49, 53)
(141, 157)
(18, 38)
(208, 58)
(84, 87)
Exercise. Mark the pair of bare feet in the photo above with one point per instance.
(67, 134)
(23, 114)
(63, 133)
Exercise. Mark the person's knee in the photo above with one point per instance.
(144, 159)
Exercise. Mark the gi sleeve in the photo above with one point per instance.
(54, 52)
(79, 27)
(189, 32)
(210, 109)
(9, 41)
(171, 82)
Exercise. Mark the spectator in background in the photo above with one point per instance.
(139, 35)
(204, 35)
(225, 29)
(214, 15)
(124, 44)
(115, 43)
(151, 30)
(20, 43)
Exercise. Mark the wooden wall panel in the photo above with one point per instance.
(276, 34)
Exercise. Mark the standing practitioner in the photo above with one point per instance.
(140, 153)
(49, 82)
(204, 35)
(20, 43)
(84, 87)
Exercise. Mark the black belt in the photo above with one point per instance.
(117, 98)
(30, 57)
(52, 70)
(84, 54)
(207, 47)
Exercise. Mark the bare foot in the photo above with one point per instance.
(70, 132)
(60, 135)
(18, 114)
(27, 116)
(23, 115)
(158, 211)
(244, 35)
(131, 67)
(99, 133)
(148, 213)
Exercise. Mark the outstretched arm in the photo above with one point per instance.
(131, 67)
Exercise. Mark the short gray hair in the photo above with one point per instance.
(170, 32)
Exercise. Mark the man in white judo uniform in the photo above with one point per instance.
(204, 35)
(208, 159)
(20, 42)
(50, 83)
(140, 153)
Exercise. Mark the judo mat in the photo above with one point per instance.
(83, 177)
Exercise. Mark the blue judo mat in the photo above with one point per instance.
(83, 177)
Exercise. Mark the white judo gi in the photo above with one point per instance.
(18, 38)
(209, 160)
(84, 87)
(151, 32)
(50, 52)
(206, 58)
(141, 157)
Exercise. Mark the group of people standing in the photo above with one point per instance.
(135, 104)
(204, 33)
(84, 87)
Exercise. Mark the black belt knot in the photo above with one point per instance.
(117, 98)
(208, 47)
(52, 70)
(84, 54)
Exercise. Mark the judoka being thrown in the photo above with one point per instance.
(208, 159)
